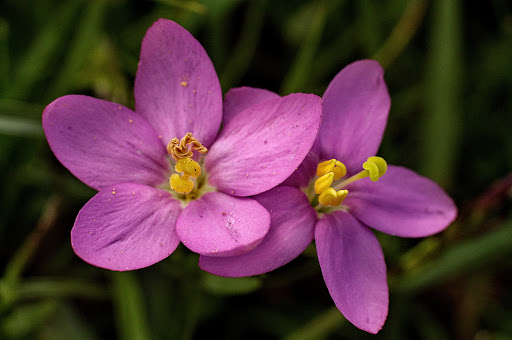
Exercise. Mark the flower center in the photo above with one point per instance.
(186, 167)
(333, 170)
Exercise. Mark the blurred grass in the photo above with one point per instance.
(442, 123)
(448, 70)
(33, 66)
(129, 306)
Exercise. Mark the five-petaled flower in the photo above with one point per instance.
(393, 199)
(136, 219)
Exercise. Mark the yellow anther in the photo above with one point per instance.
(339, 170)
(181, 184)
(188, 166)
(324, 182)
(325, 167)
(331, 165)
(376, 166)
(332, 170)
(182, 152)
(340, 196)
(179, 149)
(331, 197)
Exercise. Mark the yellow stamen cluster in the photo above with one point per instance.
(333, 170)
(182, 153)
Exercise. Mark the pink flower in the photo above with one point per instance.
(399, 202)
(136, 219)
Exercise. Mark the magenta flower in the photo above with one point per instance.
(393, 200)
(136, 219)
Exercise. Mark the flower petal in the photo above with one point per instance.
(238, 99)
(306, 170)
(264, 144)
(356, 107)
(104, 143)
(127, 226)
(292, 221)
(401, 203)
(176, 87)
(221, 225)
(354, 270)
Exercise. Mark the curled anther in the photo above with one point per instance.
(376, 166)
(178, 149)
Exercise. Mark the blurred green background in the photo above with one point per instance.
(448, 69)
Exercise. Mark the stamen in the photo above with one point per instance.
(178, 148)
(332, 170)
(188, 166)
(331, 197)
(339, 171)
(181, 184)
(375, 167)
(185, 164)
(325, 167)
(324, 182)
(332, 165)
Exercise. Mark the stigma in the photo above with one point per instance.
(186, 167)
(332, 170)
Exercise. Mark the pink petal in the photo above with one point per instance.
(264, 144)
(292, 221)
(104, 143)
(354, 270)
(401, 203)
(176, 87)
(126, 226)
(306, 170)
(356, 107)
(217, 224)
(238, 99)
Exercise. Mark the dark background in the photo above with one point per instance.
(448, 69)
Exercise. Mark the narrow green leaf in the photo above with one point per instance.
(26, 318)
(42, 51)
(84, 39)
(369, 25)
(218, 18)
(319, 327)
(462, 258)
(192, 6)
(402, 32)
(332, 56)
(230, 286)
(67, 323)
(130, 309)
(25, 252)
(59, 287)
(220, 7)
(4, 56)
(20, 127)
(443, 93)
(237, 64)
(10, 107)
(299, 72)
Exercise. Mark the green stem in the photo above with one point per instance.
(299, 72)
(23, 255)
(130, 309)
(402, 33)
(244, 50)
(59, 287)
(319, 327)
